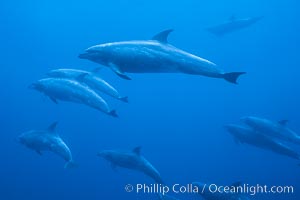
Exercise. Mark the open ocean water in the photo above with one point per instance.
(177, 119)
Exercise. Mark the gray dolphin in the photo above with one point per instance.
(153, 56)
(47, 140)
(249, 136)
(232, 25)
(277, 130)
(208, 195)
(73, 91)
(131, 160)
(90, 79)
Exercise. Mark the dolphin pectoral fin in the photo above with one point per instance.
(54, 100)
(123, 76)
(162, 36)
(113, 113)
(283, 122)
(39, 152)
(233, 76)
(119, 72)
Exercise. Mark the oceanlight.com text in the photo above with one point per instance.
(208, 188)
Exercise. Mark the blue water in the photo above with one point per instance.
(177, 119)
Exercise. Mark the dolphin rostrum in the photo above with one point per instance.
(153, 56)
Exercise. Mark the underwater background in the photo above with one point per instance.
(178, 119)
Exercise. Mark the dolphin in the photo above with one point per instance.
(277, 130)
(249, 136)
(208, 195)
(153, 56)
(73, 91)
(131, 160)
(47, 140)
(233, 24)
(90, 79)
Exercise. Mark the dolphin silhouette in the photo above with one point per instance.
(249, 136)
(277, 130)
(72, 91)
(232, 25)
(131, 160)
(153, 56)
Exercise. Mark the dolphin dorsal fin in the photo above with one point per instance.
(162, 36)
(137, 150)
(283, 122)
(52, 127)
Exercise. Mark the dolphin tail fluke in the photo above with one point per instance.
(70, 165)
(124, 99)
(232, 77)
(113, 113)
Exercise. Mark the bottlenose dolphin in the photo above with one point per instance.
(90, 79)
(249, 136)
(47, 140)
(73, 91)
(232, 25)
(153, 56)
(208, 195)
(131, 160)
(277, 130)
